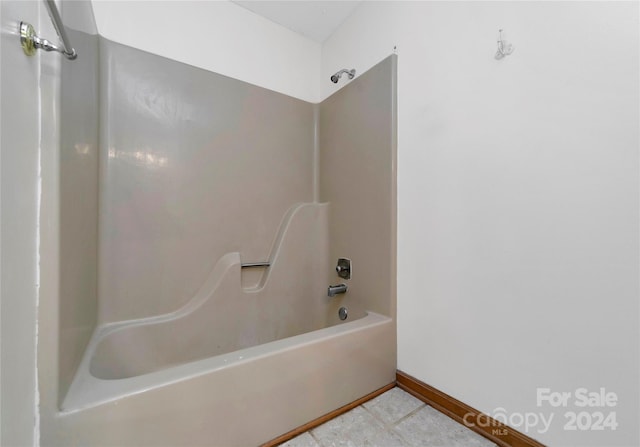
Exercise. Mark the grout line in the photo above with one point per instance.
(384, 426)
(374, 416)
(314, 436)
(402, 437)
(347, 438)
(411, 413)
(390, 427)
(392, 424)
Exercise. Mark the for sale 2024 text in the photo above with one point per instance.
(594, 407)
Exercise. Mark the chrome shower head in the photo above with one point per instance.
(336, 77)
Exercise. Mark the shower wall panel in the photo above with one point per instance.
(193, 165)
(78, 305)
(358, 178)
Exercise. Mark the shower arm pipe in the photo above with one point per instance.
(31, 42)
(351, 73)
(336, 77)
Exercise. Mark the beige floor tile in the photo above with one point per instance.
(393, 419)
(429, 427)
(303, 440)
(393, 405)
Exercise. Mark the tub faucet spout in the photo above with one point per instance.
(334, 290)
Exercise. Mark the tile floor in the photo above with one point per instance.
(393, 419)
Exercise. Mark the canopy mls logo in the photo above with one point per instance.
(590, 414)
(525, 422)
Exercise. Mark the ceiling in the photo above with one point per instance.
(316, 20)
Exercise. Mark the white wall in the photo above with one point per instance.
(518, 199)
(19, 143)
(218, 36)
(26, 92)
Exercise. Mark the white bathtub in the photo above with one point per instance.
(242, 398)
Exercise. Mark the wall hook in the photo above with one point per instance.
(504, 47)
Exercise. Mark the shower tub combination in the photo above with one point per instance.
(192, 348)
(242, 398)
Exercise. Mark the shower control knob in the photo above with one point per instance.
(343, 268)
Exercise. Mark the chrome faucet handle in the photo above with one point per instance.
(343, 268)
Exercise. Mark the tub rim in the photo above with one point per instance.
(87, 391)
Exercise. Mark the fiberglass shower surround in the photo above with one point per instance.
(196, 175)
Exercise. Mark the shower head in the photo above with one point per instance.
(336, 77)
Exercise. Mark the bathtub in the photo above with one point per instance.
(241, 398)
(244, 361)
